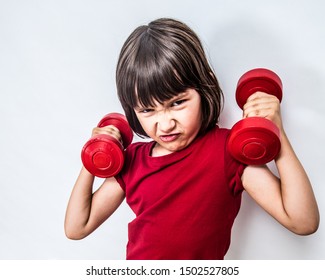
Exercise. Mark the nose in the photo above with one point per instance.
(165, 122)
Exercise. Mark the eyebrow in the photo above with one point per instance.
(181, 95)
(171, 100)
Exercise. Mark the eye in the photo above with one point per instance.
(145, 110)
(178, 102)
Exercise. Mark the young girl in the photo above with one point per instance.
(184, 186)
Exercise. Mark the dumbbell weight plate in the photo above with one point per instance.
(254, 141)
(103, 156)
(258, 79)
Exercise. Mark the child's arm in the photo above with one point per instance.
(290, 198)
(87, 210)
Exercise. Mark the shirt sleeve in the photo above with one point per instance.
(120, 180)
(123, 178)
(234, 171)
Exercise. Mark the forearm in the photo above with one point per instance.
(79, 206)
(290, 198)
(298, 198)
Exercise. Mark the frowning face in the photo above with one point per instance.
(174, 124)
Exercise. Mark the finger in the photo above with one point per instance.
(108, 130)
(260, 101)
(113, 131)
(258, 95)
(252, 113)
(266, 109)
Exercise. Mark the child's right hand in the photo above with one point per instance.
(108, 130)
(264, 105)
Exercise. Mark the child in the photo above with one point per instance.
(183, 186)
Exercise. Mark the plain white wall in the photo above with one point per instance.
(57, 79)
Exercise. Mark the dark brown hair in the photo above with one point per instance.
(161, 60)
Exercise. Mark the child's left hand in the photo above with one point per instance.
(263, 105)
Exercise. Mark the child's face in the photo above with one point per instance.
(173, 124)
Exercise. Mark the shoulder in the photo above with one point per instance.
(219, 131)
(136, 152)
(138, 146)
(218, 135)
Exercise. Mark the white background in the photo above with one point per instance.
(57, 79)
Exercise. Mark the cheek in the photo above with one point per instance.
(147, 125)
(191, 122)
(194, 116)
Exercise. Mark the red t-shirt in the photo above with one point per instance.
(185, 202)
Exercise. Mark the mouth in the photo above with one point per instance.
(169, 137)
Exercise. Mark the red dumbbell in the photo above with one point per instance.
(103, 155)
(255, 140)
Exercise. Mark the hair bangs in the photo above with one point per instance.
(157, 79)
